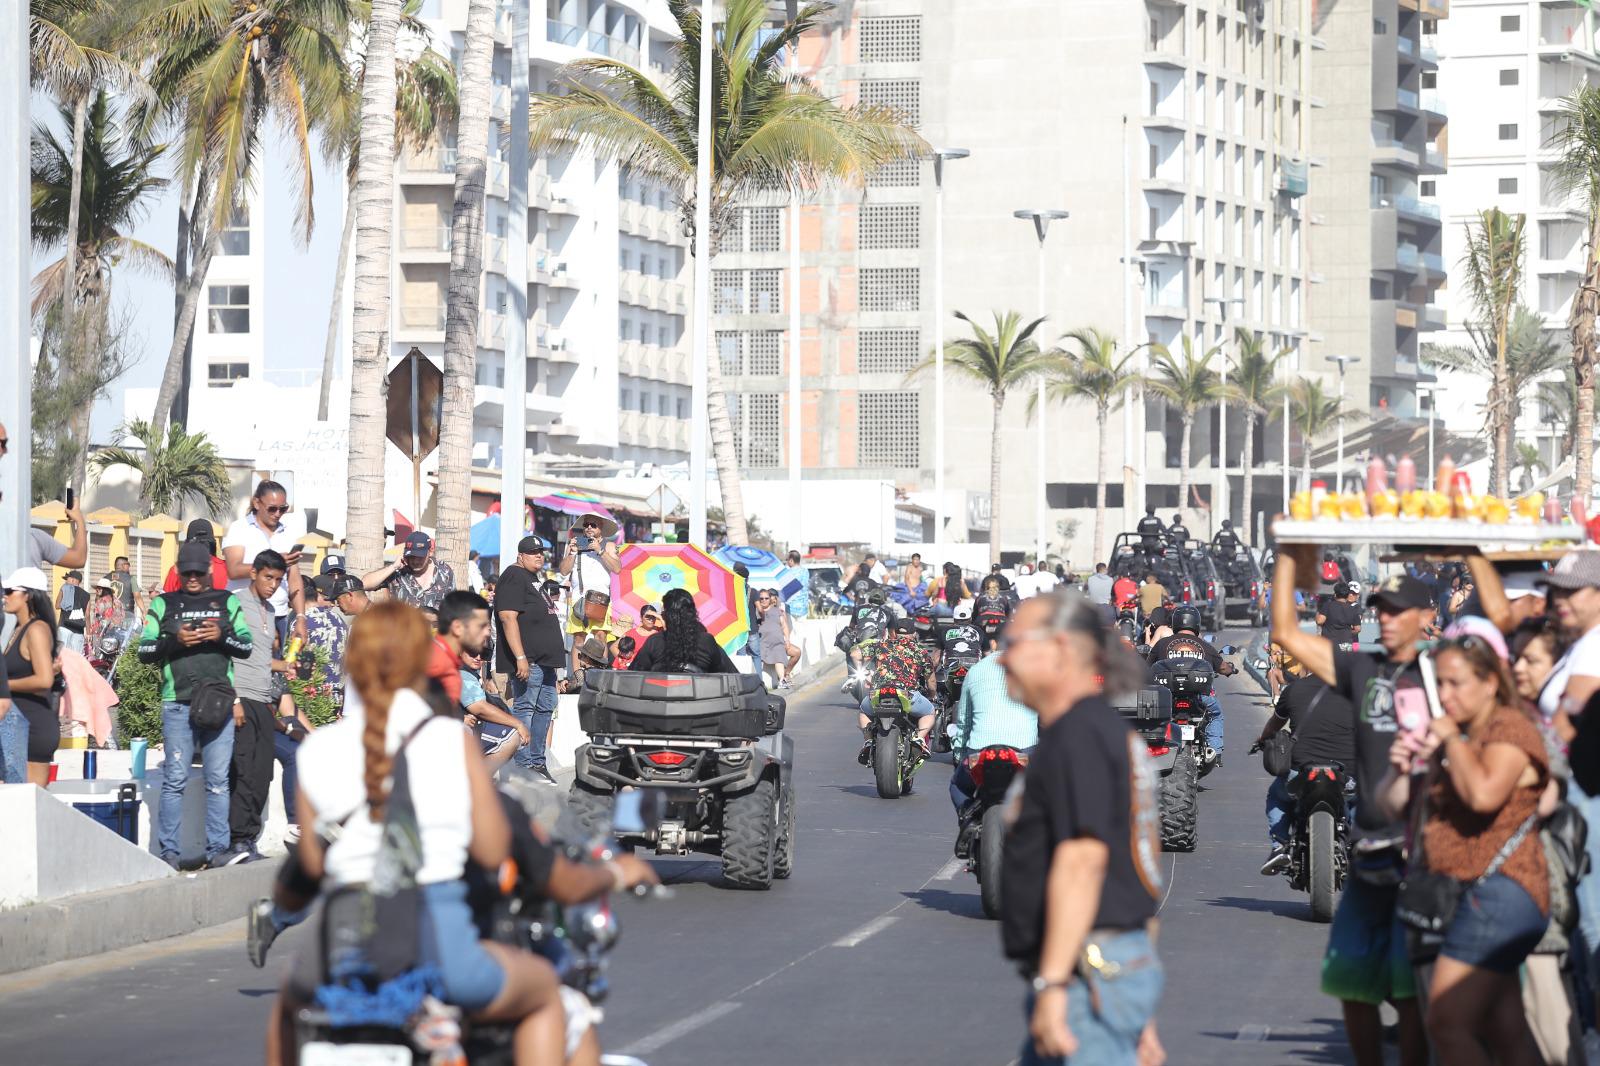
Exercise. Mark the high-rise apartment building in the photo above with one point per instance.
(607, 372)
(1377, 239)
(1175, 135)
(1505, 66)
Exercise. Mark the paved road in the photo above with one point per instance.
(874, 952)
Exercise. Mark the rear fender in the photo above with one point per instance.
(1163, 763)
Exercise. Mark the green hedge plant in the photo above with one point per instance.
(138, 688)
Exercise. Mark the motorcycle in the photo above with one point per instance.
(1186, 679)
(575, 938)
(107, 650)
(1319, 836)
(980, 838)
(962, 649)
(896, 755)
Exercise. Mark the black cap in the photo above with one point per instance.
(323, 583)
(345, 584)
(200, 529)
(532, 543)
(1400, 592)
(418, 544)
(194, 557)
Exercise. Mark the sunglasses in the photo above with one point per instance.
(277, 509)
(5, 443)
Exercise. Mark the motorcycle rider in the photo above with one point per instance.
(991, 608)
(1186, 642)
(986, 714)
(1226, 541)
(1177, 532)
(1150, 532)
(1152, 593)
(868, 621)
(899, 661)
(1324, 727)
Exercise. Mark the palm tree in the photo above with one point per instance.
(461, 302)
(173, 466)
(1559, 397)
(1000, 361)
(425, 99)
(1187, 382)
(1254, 388)
(370, 319)
(1530, 462)
(774, 132)
(112, 182)
(1314, 412)
(1492, 272)
(1577, 169)
(1092, 371)
(1530, 354)
(221, 70)
(68, 53)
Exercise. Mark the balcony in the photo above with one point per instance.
(1406, 46)
(1395, 153)
(499, 178)
(557, 348)
(1433, 104)
(494, 254)
(500, 101)
(422, 318)
(1176, 123)
(1407, 257)
(1435, 8)
(434, 238)
(566, 33)
(1406, 98)
(561, 276)
(1433, 264)
(1433, 161)
(560, 204)
(432, 165)
(1415, 209)
(1429, 55)
(492, 330)
(1433, 318)
(1164, 57)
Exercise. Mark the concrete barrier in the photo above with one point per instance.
(54, 851)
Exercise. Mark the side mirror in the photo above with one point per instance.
(1228, 649)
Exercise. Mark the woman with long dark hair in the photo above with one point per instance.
(30, 666)
(685, 644)
(345, 777)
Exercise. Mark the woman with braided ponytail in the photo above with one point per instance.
(347, 781)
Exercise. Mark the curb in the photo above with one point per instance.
(97, 922)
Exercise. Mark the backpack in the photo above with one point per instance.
(1330, 570)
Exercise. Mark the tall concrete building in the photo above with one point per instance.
(607, 373)
(1505, 66)
(1377, 242)
(1175, 134)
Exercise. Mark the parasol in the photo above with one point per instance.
(767, 571)
(574, 503)
(649, 571)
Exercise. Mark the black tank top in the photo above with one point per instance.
(17, 666)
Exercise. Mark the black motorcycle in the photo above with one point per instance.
(980, 836)
(1319, 836)
(1187, 679)
(962, 649)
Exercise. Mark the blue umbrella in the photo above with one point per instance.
(484, 537)
(769, 571)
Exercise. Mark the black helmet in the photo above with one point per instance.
(875, 596)
(1227, 523)
(1177, 519)
(902, 625)
(1186, 618)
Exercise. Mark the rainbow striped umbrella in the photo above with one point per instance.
(767, 571)
(572, 502)
(649, 571)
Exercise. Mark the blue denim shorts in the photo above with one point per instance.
(472, 978)
(1495, 926)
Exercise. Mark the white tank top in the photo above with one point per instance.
(331, 764)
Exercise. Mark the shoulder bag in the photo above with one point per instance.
(1277, 749)
(589, 607)
(211, 703)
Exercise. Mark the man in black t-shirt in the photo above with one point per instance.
(1088, 828)
(1323, 724)
(1367, 961)
(530, 649)
(1339, 616)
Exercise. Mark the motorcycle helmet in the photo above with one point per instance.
(902, 625)
(876, 596)
(963, 611)
(1186, 618)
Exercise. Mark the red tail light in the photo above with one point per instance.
(1182, 705)
(1005, 755)
(1160, 750)
(1211, 590)
(668, 758)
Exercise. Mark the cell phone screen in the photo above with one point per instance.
(297, 549)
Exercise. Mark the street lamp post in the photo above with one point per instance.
(1041, 219)
(1338, 465)
(1432, 393)
(700, 330)
(514, 404)
(1220, 496)
(939, 157)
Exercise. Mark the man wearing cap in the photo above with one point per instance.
(1367, 961)
(200, 530)
(332, 565)
(349, 595)
(416, 577)
(194, 634)
(587, 564)
(530, 649)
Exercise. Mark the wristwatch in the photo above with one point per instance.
(1041, 983)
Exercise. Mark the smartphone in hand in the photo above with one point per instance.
(72, 498)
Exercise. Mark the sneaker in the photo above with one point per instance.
(543, 773)
(864, 757)
(259, 931)
(1278, 861)
(170, 859)
(291, 835)
(234, 856)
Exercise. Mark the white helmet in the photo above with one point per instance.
(1355, 587)
(963, 610)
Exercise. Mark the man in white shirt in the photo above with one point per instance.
(1044, 580)
(875, 569)
(260, 530)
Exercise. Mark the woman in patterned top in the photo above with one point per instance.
(1486, 767)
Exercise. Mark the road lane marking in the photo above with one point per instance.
(877, 925)
(664, 1036)
(1253, 1032)
(949, 870)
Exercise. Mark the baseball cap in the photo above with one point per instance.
(1400, 592)
(330, 563)
(104, 583)
(345, 584)
(418, 544)
(1520, 583)
(1578, 569)
(194, 555)
(200, 529)
(530, 544)
(28, 577)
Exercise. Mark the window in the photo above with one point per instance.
(662, 335)
(683, 407)
(887, 351)
(890, 226)
(1426, 188)
(625, 329)
(904, 174)
(1508, 131)
(1379, 27)
(644, 402)
(890, 289)
(764, 229)
(727, 292)
(626, 395)
(891, 40)
(624, 259)
(1510, 76)
(229, 309)
(235, 238)
(758, 427)
(1508, 186)
(1510, 23)
(663, 404)
(223, 375)
(765, 289)
(1430, 79)
(750, 352)
(903, 95)
(888, 429)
